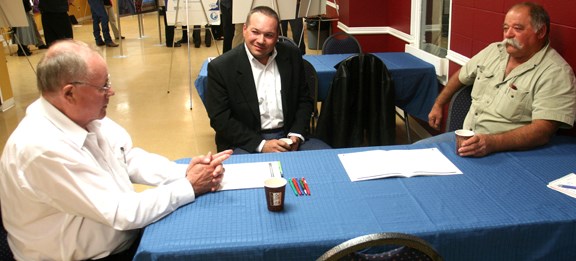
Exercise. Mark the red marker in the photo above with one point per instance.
(306, 185)
(295, 182)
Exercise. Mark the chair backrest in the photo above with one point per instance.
(406, 247)
(312, 81)
(341, 42)
(5, 252)
(359, 109)
(458, 108)
(285, 39)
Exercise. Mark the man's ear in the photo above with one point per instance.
(542, 32)
(68, 92)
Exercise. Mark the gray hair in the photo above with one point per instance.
(538, 14)
(64, 62)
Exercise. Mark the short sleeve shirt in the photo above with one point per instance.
(540, 88)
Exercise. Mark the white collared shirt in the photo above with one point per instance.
(268, 88)
(62, 201)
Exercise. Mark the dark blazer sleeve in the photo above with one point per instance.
(297, 103)
(232, 101)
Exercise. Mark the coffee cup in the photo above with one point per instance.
(461, 136)
(275, 189)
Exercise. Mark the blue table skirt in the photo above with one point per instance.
(415, 80)
(499, 209)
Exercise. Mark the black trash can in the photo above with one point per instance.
(317, 37)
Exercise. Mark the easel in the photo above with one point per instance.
(319, 17)
(189, 30)
(15, 36)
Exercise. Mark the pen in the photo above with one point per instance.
(295, 182)
(304, 190)
(567, 186)
(293, 188)
(306, 185)
(271, 170)
(280, 168)
(123, 154)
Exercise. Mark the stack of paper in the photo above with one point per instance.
(249, 175)
(566, 185)
(376, 164)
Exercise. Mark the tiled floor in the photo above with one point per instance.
(153, 87)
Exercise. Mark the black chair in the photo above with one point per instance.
(341, 42)
(5, 252)
(312, 80)
(285, 39)
(458, 108)
(399, 247)
(359, 109)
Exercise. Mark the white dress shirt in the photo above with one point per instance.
(268, 88)
(67, 193)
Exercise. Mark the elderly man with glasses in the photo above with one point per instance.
(67, 170)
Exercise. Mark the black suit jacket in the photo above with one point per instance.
(232, 101)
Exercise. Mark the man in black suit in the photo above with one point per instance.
(257, 92)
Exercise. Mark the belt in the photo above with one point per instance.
(270, 131)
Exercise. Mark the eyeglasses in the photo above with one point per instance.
(106, 86)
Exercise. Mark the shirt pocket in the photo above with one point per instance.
(513, 102)
(483, 78)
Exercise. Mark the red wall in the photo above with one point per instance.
(475, 24)
(376, 13)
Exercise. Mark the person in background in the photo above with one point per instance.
(67, 169)
(100, 23)
(257, 92)
(296, 25)
(112, 19)
(523, 90)
(27, 35)
(226, 23)
(55, 21)
(196, 37)
(40, 42)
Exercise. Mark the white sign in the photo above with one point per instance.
(286, 9)
(193, 12)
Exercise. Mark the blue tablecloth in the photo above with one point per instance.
(499, 209)
(415, 80)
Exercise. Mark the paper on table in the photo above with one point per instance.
(249, 175)
(569, 180)
(374, 164)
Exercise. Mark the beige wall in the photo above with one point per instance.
(5, 86)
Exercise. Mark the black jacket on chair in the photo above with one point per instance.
(359, 109)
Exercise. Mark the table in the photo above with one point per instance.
(499, 209)
(414, 80)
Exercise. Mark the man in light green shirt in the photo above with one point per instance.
(523, 90)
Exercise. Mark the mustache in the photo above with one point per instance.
(513, 42)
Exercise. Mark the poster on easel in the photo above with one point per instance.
(12, 14)
(286, 9)
(200, 12)
(309, 8)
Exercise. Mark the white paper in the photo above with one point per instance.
(376, 164)
(286, 9)
(568, 180)
(309, 8)
(249, 175)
